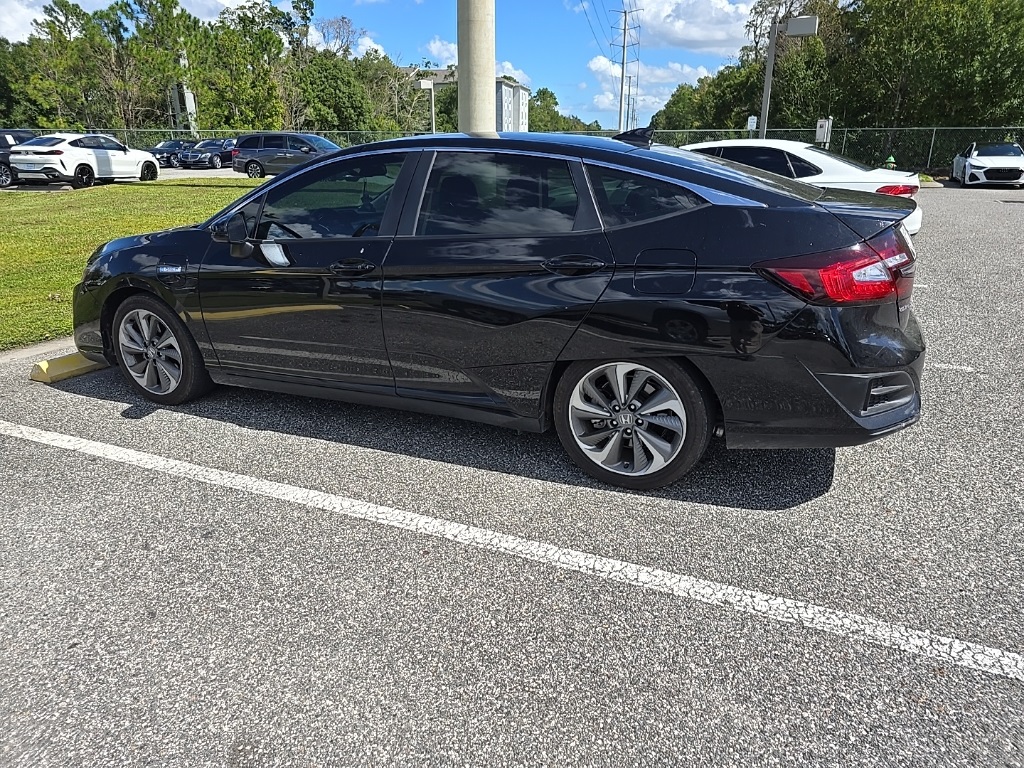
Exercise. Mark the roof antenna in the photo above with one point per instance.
(638, 137)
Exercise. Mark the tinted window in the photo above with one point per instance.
(89, 142)
(251, 142)
(343, 199)
(44, 141)
(626, 198)
(210, 144)
(297, 145)
(476, 193)
(323, 144)
(273, 142)
(765, 158)
(712, 151)
(802, 168)
(838, 158)
(105, 142)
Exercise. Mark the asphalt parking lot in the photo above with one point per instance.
(261, 580)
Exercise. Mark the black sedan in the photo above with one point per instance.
(167, 152)
(209, 153)
(637, 298)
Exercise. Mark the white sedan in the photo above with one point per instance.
(81, 159)
(995, 163)
(813, 165)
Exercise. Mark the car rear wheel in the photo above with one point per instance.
(254, 170)
(148, 173)
(156, 353)
(6, 175)
(84, 177)
(636, 424)
(215, 161)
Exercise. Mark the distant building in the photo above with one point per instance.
(511, 100)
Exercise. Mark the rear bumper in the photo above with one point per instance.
(49, 173)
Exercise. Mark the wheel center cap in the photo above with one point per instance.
(626, 419)
(151, 353)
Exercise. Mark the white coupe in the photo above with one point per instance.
(995, 163)
(81, 159)
(813, 165)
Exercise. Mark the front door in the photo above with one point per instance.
(306, 301)
(486, 284)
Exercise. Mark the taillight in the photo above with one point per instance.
(876, 271)
(51, 152)
(900, 190)
(234, 153)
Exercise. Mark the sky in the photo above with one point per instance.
(572, 47)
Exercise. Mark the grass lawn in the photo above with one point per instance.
(45, 238)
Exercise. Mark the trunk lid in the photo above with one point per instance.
(865, 213)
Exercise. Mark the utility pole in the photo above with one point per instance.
(622, 78)
(766, 96)
(477, 113)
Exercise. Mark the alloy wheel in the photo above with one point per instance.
(84, 176)
(253, 170)
(175, 162)
(150, 351)
(627, 418)
(6, 177)
(215, 161)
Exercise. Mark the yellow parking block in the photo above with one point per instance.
(65, 367)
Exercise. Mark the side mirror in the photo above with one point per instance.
(307, 150)
(233, 231)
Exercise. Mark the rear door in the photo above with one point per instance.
(273, 156)
(498, 260)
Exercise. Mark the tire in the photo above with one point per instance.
(215, 162)
(254, 170)
(618, 436)
(6, 176)
(84, 177)
(148, 173)
(147, 359)
(174, 161)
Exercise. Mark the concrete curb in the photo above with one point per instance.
(64, 367)
(41, 349)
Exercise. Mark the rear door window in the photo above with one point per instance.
(765, 158)
(482, 193)
(628, 198)
(250, 142)
(273, 142)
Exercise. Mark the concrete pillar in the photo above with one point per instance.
(477, 107)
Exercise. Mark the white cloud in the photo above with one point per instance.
(656, 84)
(506, 68)
(714, 26)
(19, 17)
(366, 43)
(582, 86)
(442, 51)
(445, 53)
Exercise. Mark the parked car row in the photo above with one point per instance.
(80, 159)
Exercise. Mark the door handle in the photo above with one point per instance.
(575, 264)
(352, 267)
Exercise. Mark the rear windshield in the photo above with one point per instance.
(44, 141)
(838, 158)
(737, 172)
(999, 150)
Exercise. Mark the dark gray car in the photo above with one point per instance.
(265, 154)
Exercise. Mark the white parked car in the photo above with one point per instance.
(813, 165)
(994, 163)
(81, 159)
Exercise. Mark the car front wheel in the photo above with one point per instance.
(215, 162)
(637, 424)
(148, 173)
(254, 171)
(156, 353)
(174, 161)
(6, 175)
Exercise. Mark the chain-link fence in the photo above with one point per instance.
(919, 149)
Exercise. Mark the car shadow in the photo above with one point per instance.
(755, 479)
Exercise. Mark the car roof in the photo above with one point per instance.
(773, 143)
(997, 144)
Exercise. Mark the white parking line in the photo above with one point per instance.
(850, 625)
(950, 367)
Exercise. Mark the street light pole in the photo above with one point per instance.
(798, 26)
(429, 85)
(769, 67)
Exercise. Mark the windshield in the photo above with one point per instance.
(999, 150)
(44, 141)
(323, 144)
(209, 144)
(838, 158)
(740, 172)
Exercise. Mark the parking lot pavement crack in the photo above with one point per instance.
(967, 655)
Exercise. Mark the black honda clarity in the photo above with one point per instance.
(638, 298)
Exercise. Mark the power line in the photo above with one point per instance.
(602, 48)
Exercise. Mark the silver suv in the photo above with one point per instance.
(264, 154)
